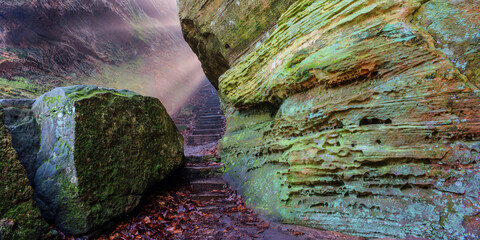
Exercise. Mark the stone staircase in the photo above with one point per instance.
(209, 123)
(205, 176)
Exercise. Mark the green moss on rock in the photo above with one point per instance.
(101, 148)
(19, 216)
(220, 32)
(357, 116)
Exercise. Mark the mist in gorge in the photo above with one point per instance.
(170, 71)
(131, 44)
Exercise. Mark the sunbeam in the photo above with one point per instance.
(169, 71)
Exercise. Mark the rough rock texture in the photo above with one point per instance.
(357, 116)
(49, 43)
(24, 130)
(19, 217)
(220, 32)
(100, 150)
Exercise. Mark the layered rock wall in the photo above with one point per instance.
(356, 116)
(220, 32)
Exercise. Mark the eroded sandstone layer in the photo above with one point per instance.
(100, 150)
(220, 32)
(353, 116)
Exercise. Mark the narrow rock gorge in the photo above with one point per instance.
(131, 44)
(353, 116)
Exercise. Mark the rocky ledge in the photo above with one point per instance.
(353, 116)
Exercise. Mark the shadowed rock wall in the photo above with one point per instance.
(19, 215)
(220, 32)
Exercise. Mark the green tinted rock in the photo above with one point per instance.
(100, 150)
(19, 217)
(455, 28)
(359, 117)
(220, 32)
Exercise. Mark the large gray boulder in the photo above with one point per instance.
(100, 150)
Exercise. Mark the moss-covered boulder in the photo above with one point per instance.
(100, 150)
(358, 116)
(19, 216)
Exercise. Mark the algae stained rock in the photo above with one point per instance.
(359, 116)
(19, 216)
(100, 150)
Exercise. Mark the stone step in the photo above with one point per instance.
(203, 172)
(216, 112)
(213, 116)
(207, 131)
(199, 139)
(214, 120)
(216, 206)
(200, 119)
(207, 126)
(210, 116)
(210, 109)
(210, 122)
(208, 113)
(207, 196)
(181, 123)
(207, 137)
(208, 185)
(202, 159)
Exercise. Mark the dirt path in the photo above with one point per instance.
(197, 204)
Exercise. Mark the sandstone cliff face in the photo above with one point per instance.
(354, 116)
(220, 32)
